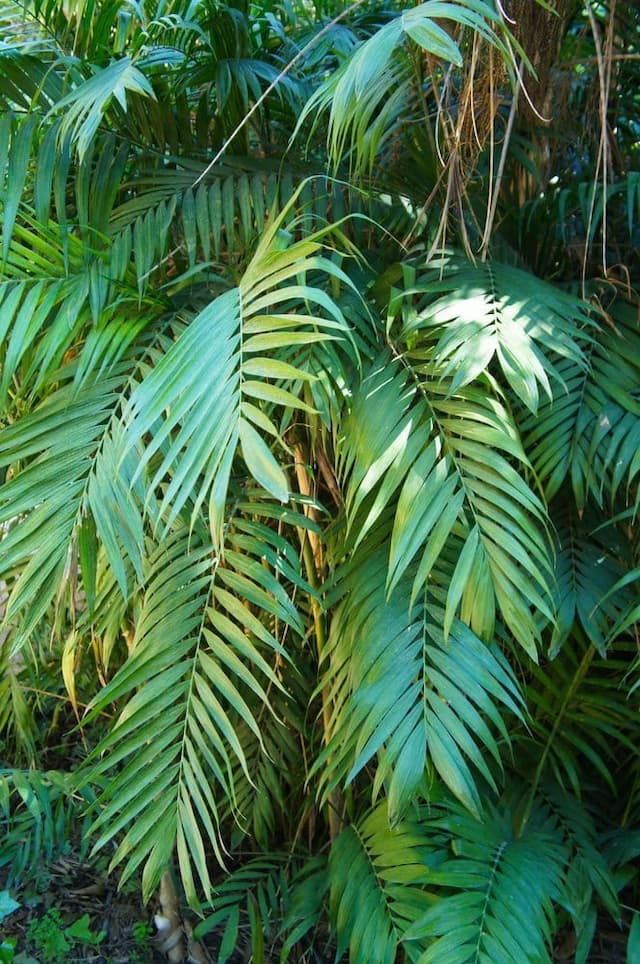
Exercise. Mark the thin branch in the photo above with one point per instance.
(602, 163)
(491, 212)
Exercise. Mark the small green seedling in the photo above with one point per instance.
(53, 939)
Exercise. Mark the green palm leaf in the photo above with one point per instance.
(249, 903)
(359, 126)
(591, 562)
(375, 876)
(58, 446)
(84, 107)
(580, 692)
(195, 425)
(439, 455)
(499, 909)
(475, 313)
(221, 216)
(590, 432)
(54, 293)
(399, 691)
(588, 878)
(196, 666)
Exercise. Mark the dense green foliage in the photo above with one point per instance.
(319, 441)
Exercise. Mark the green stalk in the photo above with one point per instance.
(572, 689)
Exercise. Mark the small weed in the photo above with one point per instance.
(141, 933)
(48, 936)
(53, 939)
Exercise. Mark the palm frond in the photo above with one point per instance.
(196, 660)
(592, 562)
(489, 916)
(489, 311)
(55, 293)
(28, 51)
(17, 720)
(589, 431)
(275, 766)
(439, 455)
(84, 107)
(375, 876)
(42, 503)
(398, 690)
(195, 425)
(249, 907)
(220, 216)
(359, 126)
(308, 893)
(588, 875)
(38, 808)
(580, 692)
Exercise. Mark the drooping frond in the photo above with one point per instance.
(589, 431)
(447, 461)
(477, 313)
(195, 424)
(221, 215)
(578, 692)
(375, 876)
(83, 107)
(588, 877)
(199, 658)
(55, 293)
(52, 453)
(591, 560)
(501, 890)
(398, 690)
(381, 66)
(266, 785)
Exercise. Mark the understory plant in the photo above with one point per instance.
(320, 344)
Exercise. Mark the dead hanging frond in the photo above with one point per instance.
(491, 85)
(603, 173)
(470, 104)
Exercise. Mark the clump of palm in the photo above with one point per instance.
(332, 535)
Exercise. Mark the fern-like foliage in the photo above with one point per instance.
(591, 562)
(381, 65)
(193, 666)
(237, 333)
(479, 313)
(501, 887)
(320, 536)
(588, 433)
(398, 689)
(58, 446)
(450, 446)
(38, 811)
(385, 868)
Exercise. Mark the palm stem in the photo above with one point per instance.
(568, 696)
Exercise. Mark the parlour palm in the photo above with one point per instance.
(319, 470)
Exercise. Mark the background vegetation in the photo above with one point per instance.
(320, 422)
